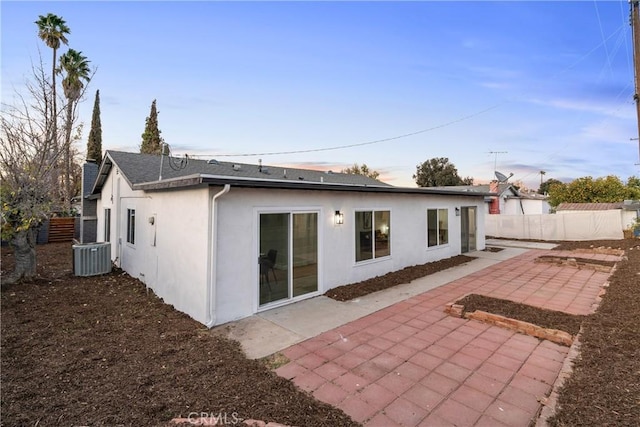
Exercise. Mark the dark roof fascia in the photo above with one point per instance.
(103, 173)
(195, 180)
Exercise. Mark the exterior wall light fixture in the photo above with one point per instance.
(457, 211)
(338, 218)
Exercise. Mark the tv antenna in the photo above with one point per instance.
(495, 160)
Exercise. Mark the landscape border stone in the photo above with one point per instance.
(553, 335)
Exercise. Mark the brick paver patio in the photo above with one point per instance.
(412, 365)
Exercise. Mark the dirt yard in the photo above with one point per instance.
(604, 389)
(105, 351)
(102, 351)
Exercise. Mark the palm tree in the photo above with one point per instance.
(53, 30)
(75, 68)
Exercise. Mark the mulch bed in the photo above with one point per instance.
(104, 351)
(545, 318)
(604, 389)
(406, 275)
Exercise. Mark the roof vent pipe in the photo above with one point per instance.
(259, 165)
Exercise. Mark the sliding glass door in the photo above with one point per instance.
(288, 260)
(305, 253)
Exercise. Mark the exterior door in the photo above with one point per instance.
(288, 258)
(468, 228)
(129, 238)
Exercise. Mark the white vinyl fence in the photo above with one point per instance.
(593, 225)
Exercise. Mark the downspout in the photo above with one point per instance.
(213, 259)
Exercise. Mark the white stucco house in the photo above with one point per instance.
(221, 241)
(523, 203)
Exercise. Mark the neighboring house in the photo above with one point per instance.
(88, 218)
(524, 203)
(629, 210)
(507, 199)
(221, 241)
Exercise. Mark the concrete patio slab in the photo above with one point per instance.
(311, 317)
(273, 330)
(255, 335)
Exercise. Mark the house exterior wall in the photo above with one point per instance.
(515, 206)
(177, 258)
(88, 219)
(629, 218)
(170, 255)
(238, 246)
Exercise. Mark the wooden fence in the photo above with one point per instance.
(61, 229)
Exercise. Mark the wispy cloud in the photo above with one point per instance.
(474, 43)
(496, 85)
(608, 131)
(603, 108)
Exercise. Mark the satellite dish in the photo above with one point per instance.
(502, 177)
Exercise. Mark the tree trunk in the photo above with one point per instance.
(54, 113)
(24, 250)
(67, 159)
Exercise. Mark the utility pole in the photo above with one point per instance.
(635, 29)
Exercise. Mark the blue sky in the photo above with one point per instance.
(549, 83)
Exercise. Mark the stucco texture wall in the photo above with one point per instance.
(175, 252)
(238, 252)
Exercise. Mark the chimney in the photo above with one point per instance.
(494, 206)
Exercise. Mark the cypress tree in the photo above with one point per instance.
(151, 139)
(94, 143)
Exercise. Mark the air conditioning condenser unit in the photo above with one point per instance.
(92, 259)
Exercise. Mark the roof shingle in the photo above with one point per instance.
(588, 206)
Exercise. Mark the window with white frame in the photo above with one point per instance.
(437, 227)
(131, 226)
(373, 232)
(107, 225)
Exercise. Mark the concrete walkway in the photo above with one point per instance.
(273, 330)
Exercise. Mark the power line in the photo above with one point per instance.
(552, 155)
(443, 125)
(604, 44)
(341, 147)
